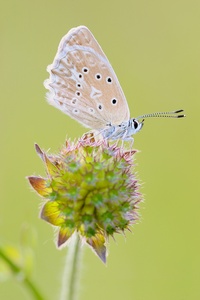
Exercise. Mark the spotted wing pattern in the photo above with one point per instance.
(83, 84)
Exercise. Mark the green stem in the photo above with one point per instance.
(71, 272)
(19, 273)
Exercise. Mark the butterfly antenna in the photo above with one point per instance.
(165, 114)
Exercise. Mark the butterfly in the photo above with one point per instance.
(83, 85)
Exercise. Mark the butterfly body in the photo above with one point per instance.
(83, 85)
(122, 131)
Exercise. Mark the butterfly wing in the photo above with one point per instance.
(83, 84)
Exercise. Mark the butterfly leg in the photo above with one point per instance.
(130, 139)
(131, 142)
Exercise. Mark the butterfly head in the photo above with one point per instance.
(136, 125)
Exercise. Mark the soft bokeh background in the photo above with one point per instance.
(154, 48)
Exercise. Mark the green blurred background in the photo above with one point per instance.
(154, 47)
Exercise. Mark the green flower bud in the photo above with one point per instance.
(90, 188)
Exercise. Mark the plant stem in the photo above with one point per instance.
(19, 273)
(71, 272)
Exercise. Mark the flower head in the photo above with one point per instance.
(90, 188)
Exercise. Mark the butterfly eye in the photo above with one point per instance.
(109, 80)
(98, 76)
(135, 124)
(85, 70)
(114, 101)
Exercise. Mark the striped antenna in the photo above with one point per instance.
(165, 114)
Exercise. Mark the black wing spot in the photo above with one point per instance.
(85, 70)
(74, 100)
(75, 111)
(98, 76)
(91, 110)
(78, 93)
(78, 85)
(109, 80)
(114, 101)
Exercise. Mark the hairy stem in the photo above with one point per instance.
(70, 279)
